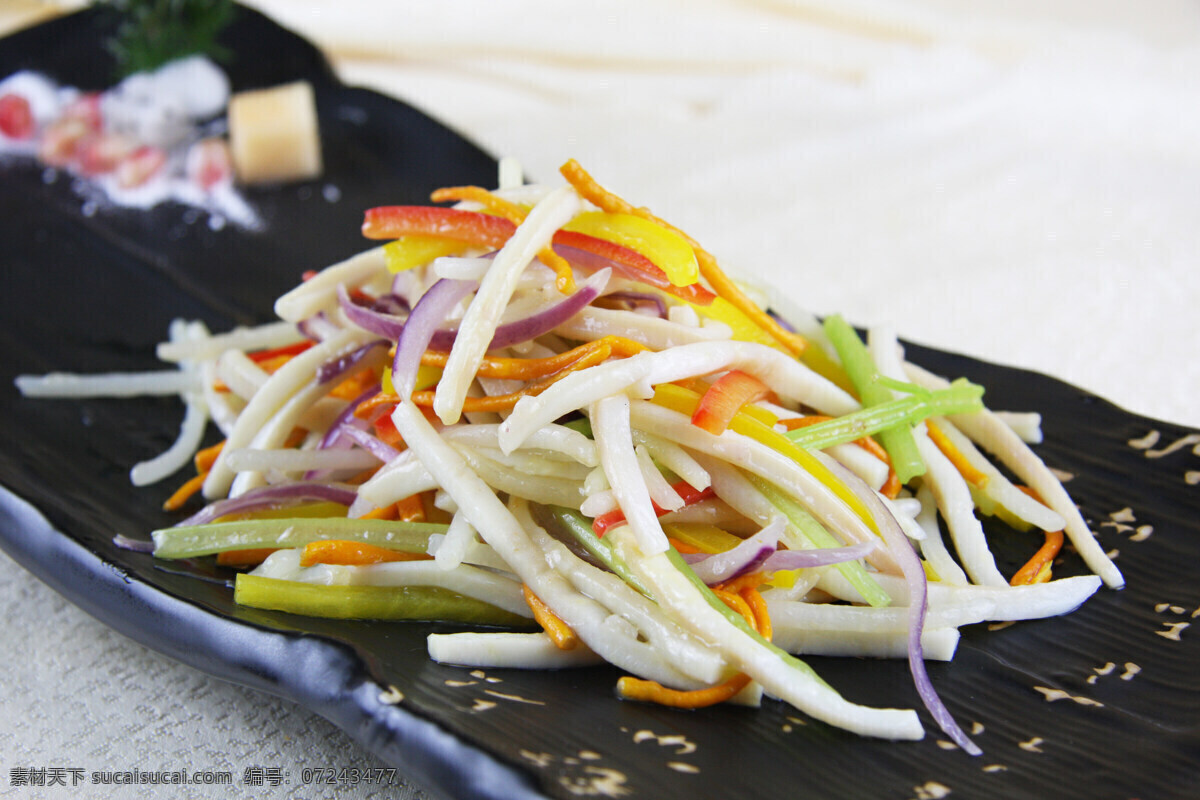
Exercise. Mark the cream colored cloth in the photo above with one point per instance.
(1017, 184)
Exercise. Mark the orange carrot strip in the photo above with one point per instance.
(630, 688)
(683, 547)
(521, 369)
(738, 604)
(250, 557)
(592, 191)
(185, 492)
(955, 456)
(389, 512)
(564, 280)
(758, 607)
(411, 509)
(560, 633)
(205, 458)
(352, 554)
(1038, 568)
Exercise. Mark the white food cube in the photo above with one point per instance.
(273, 134)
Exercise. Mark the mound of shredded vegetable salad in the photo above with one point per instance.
(547, 410)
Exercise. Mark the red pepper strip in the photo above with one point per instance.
(486, 230)
(725, 398)
(287, 350)
(690, 496)
(392, 222)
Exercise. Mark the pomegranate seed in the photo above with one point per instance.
(140, 166)
(101, 153)
(86, 108)
(61, 140)
(16, 117)
(208, 163)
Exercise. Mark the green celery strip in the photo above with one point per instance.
(578, 527)
(203, 540)
(962, 397)
(897, 440)
(853, 571)
(425, 603)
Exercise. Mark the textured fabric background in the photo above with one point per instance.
(998, 179)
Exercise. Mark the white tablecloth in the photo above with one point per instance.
(1017, 184)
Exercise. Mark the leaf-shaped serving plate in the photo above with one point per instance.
(1101, 703)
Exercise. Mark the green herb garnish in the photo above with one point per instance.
(153, 32)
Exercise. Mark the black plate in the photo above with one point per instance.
(94, 293)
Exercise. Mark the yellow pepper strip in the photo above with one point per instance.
(955, 456)
(592, 191)
(250, 557)
(564, 280)
(669, 251)
(418, 249)
(560, 633)
(683, 401)
(700, 537)
(353, 554)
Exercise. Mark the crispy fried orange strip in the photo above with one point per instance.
(1038, 568)
(740, 594)
(185, 492)
(592, 191)
(955, 456)
(352, 554)
(250, 557)
(208, 456)
(564, 280)
(560, 633)
(653, 692)
(505, 402)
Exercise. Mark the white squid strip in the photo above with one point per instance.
(1033, 601)
(1025, 424)
(499, 528)
(611, 427)
(538, 488)
(550, 441)
(496, 289)
(758, 459)
(262, 337)
(658, 334)
(452, 550)
(690, 655)
(680, 597)
(661, 492)
(873, 472)
(506, 650)
(294, 460)
(108, 384)
(958, 509)
(932, 546)
(241, 374)
(996, 437)
(480, 584)
(319, 293)
(937, 644)
(674, 458)
(401, 477)
(998, 487)
(287, 382)
(784, 374)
